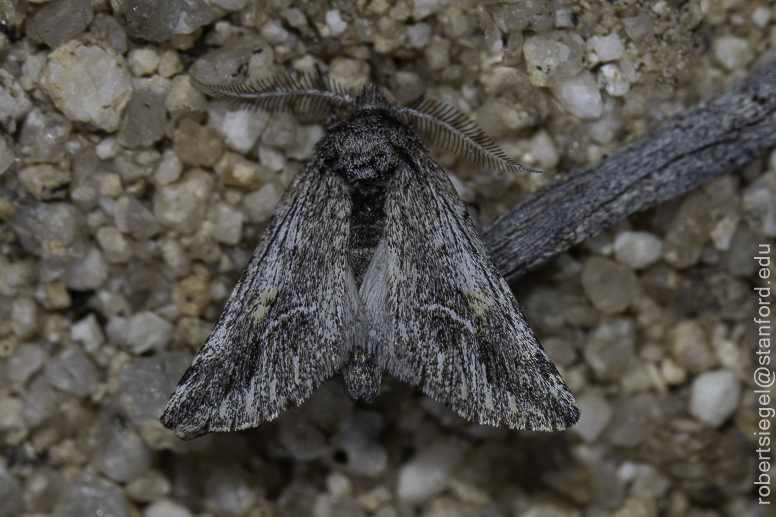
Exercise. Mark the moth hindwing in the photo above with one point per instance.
(371, 263)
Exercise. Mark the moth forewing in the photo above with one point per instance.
(451, 323)
(288, 323)
(371, 262)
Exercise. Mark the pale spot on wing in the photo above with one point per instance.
(273, 389)
(250, 397)
(478, 302)
(223, 412)
(488, 399)
(263, 304)
(464, 386)
(268, 296)
(511, 403)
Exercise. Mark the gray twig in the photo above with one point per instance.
(707, 139)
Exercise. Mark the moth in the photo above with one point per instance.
(370, 263)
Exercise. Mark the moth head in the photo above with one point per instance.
(371, 97)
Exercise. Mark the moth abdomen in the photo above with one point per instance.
(367, 220)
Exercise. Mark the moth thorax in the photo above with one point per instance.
(374, 166)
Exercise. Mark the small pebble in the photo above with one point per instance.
(14, 102)
(88, 495)
(349, 73)
(419, 34)
(110, 185)
(196, 145)
(234, 170)
(689, 232)
(117, 247)
(228, 224)
(365, 454)
(183, 97)
(143, 61)
(88, 333)
(714, 396)
(335, 22)
(596, 415)
(105, 28)
(611, 79)
(261, 203)
(150, 486)
(303, 440)
(579, 95)
(147, 331)
(166, 508)
(632, 419)
(107, 148)
(154, 21)
(7, 155)
(639, 28)
(228, 491)
(438, 54)
(637, 249)
(242, 128)
(72, 371)
(169, 168)
(146, 383)
(607, 48)
(10, 490)
(181, 205)
(545, 150)
(761, 16)
(690, 346)
(45, 182)
(27, 359)
(169, 63)
(610, 286)
(759, 200)
(131, 216)
(120, 452)
(428, 473)
(552, 57)
(610, 348)
(60, 20)
(24, 318)
(732, 52)
(641, 504)
(86, 273)
(88, 83)
(339, 485)
(145, 117)
(44, 135)
(56, 295)
(537, 15)
(192, 295)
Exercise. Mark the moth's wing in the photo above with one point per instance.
(289, 323)
(444, 319)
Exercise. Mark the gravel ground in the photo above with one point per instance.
(130, 202)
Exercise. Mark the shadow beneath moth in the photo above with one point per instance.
(370, 263)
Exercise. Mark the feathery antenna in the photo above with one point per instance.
(305, 93)
(313, 93)
(452, 130)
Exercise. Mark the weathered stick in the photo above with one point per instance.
(707, 139)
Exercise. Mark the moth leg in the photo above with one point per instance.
(362, 375)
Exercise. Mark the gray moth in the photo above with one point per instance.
(370, 263)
